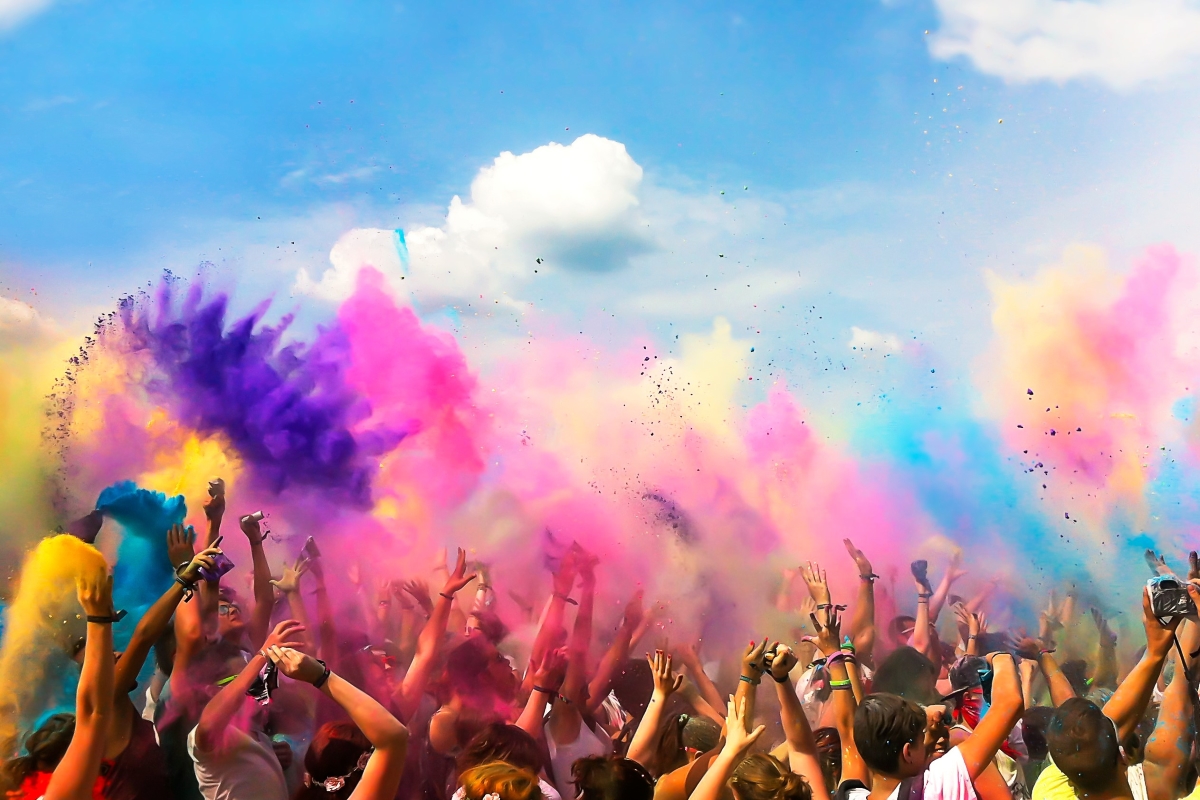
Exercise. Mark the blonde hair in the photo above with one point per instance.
(764, 777)
(502, 778)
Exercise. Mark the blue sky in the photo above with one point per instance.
(869, 181)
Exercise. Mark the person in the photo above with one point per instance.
(599, 778)
(510, 744)
(363, 760)
(499, 780)
(75, 775)
(1089, 745)
(234, 757)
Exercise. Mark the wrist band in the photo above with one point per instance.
(846, 688)
(545, 691)
(116, 617)
(319, 682)
(869, 577)
(179, 568)
(847, 646)
(189, 589)
(1046, 652)
(839, 684)
(565, 599)
(747, 679)
(447, 596)
(782, 680)
(926, 595)
(973, 636)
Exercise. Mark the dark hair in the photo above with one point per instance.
(1076, 671)
(883, 724)
(1034, 723)
(764, 777)
(491, 626)
(829, 754)
(909, 674)
(965, 672)
(599, 778)
(45, 748)
(701, 734)
(633, 686)
(501, 742)
(334, 752)
(1083, 744)
(898, 624)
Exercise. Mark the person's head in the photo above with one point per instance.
(937, 731)
(231, 615)
(829, 754)
(700, 735)
(891, 735)
(334, 762)
(764, 777)
(909, 674)
(44, 748)
(900, 629)
(1075, 670)
(476, 669)
(600, 778)
(501, 742)
(1083, 743)
(633, 686)
(501, 779)
(1034, 724)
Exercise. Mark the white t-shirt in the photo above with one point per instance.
(244, 768)
(945, 779)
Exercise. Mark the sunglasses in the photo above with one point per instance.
(225, 609)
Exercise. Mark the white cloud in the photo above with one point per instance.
(1122, 43)
(21, 323)
(575, 207)
(14, 12)
(867, 340)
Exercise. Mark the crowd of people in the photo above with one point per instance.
(413, 692)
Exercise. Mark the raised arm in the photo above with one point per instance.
(389, 739)
(210, 732)
(1105, 676)
(581, 633)
(846, 691)
(547, 681)
(953, 572)
(737, 744)
(689, 654)
(214, 512)
(326, 631)
(289, 586)
(552, 618)
(616, 653)
(753, 666)
(666, 683)
(862, 624)
(802, 747)
(1128, 703)
(1170, 744)
(154, 622)
(264, 598)
(80, 765)
(1004, 712)
(922, 640)
(408, 694)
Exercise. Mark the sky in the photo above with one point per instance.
(824, 180)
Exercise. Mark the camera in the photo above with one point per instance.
(1169, 597)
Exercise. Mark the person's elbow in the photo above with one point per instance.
(393, 736)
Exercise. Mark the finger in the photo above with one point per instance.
(678, 683)
(292, 645)
(753, 737)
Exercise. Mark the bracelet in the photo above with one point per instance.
(544, 690)
(565, 598)
(824, 605)
(840, 684)
(926, 595)
(847, 646)
(447, 596)
(189, 589)
(1046, 652)
(319, 682)
(755, 681)
(973, 636)
(182, 564)
(869, 577)
(115, 617)
(782, 680)
(846, 688)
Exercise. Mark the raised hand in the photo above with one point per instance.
(291, 662)
(586, 564)
(635, 612)
(818, 585)
(205, 558)
(95, 594)
(753, 663)
(459, 577)
(282, 635)
(737, 739)
(860, 559)
(920, 573)
(214, 506)
(954, 571)
(782, 662)
(666, 682)
(1157, 563)
(829, 633)
(1193, 566)
(1107, 636)
(290, 582)
(419, 590)
(1027, 647)
(1159, 636)
(251, 528)
(552, 671)
(180, 545)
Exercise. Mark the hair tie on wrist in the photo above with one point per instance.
(109, 620)
(544, 690)
(782, 680)
(447, 596)
(565, 598)
(319, 682)
(869, 577)
(926, 595)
